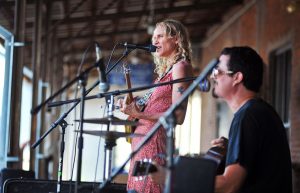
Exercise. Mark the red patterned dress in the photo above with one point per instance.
(159, 101)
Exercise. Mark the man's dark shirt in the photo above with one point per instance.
(258, 142)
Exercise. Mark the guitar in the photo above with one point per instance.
(128, 128)
(217, 154)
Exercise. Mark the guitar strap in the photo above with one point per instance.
(143, 100)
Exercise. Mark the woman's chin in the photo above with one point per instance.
(159, 54)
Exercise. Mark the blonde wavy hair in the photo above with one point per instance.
(174, 28)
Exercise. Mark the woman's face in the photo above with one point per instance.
(166, 46)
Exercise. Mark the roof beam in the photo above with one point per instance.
(140, 13)
(201, 25)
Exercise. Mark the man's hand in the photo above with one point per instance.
(221, 142)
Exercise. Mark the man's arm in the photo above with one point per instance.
(232, 179)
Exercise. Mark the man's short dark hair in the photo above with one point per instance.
(249, 63)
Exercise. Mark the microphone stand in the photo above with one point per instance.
(167, 121)
(169, 124)
(80, 139)
(107, 153)
(63, 116)
(109, 144)
(61, 120)
(120, 92)
(38, 108)
(63, 125)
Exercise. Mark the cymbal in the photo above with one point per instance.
(107, 120)
(110, 134)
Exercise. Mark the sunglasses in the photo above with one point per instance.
(216, 72)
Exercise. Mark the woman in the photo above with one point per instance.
(172, 59)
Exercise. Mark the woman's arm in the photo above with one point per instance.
(180, 70)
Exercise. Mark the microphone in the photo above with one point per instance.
(204, 86)
(103, 85)
(149, 47)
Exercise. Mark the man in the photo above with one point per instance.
(258, 157)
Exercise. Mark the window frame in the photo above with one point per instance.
(280, 82)
(5, 124)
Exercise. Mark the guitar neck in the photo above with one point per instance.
(128, 82)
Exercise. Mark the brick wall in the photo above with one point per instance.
(264, 25)
(295, 103)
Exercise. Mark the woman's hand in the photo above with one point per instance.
(130, 109)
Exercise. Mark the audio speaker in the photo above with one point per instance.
(8, 173)
(193, 175)
(50, 186)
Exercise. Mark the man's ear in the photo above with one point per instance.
(238, 78)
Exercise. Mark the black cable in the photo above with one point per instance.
(84, 57)
(75, 114)
(76, 136)
(109, 59)
(74, 159)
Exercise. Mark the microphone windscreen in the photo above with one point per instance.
(152, 48)
(204, 86)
